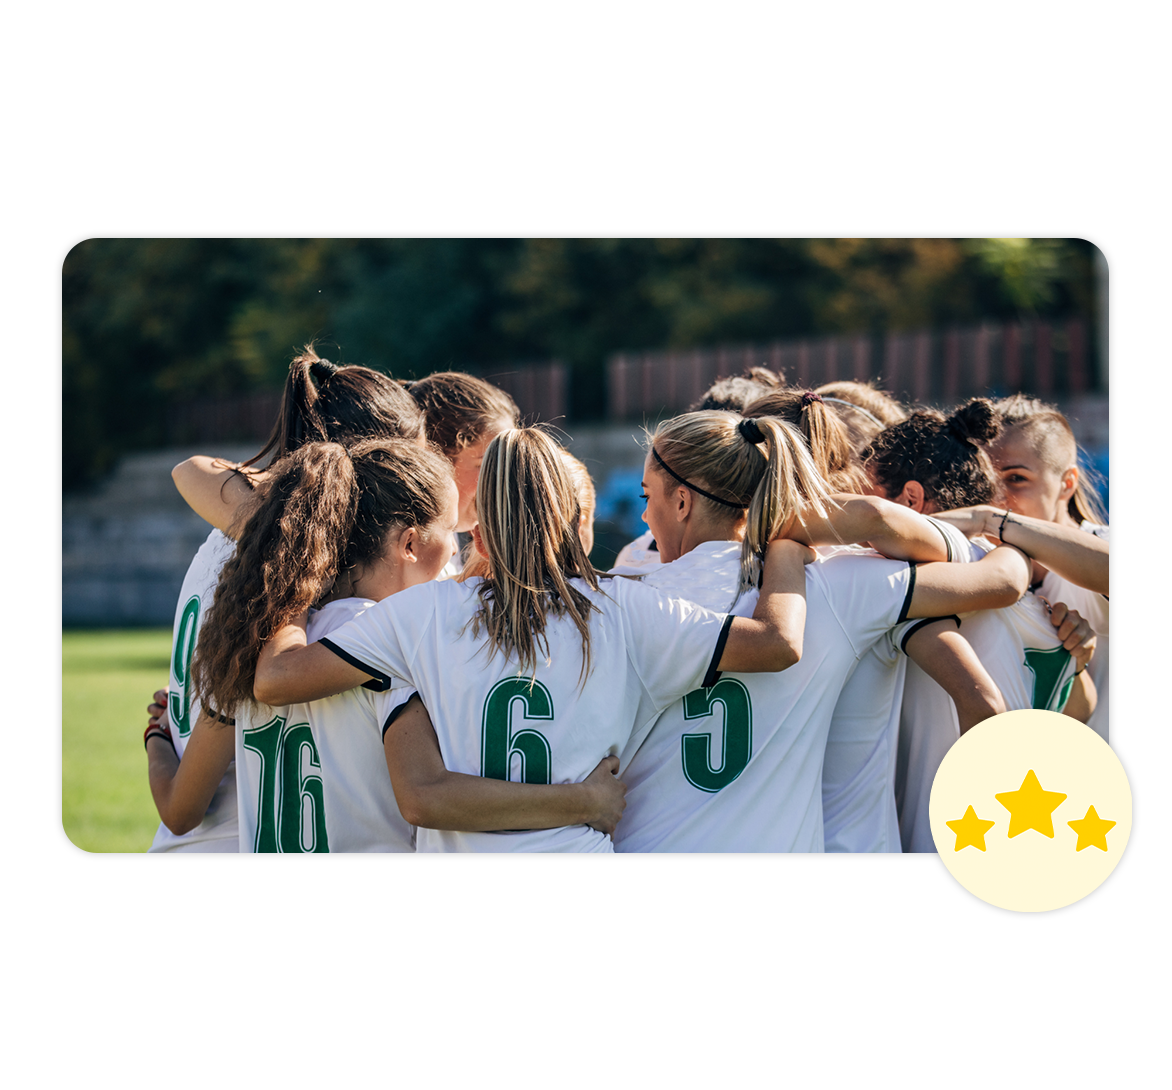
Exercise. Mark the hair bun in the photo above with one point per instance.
(977, 422)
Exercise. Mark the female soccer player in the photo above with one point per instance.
(532, 670)
(320, 401)
(858, 773)
(344, 528)
(738, 767)
(933, 463)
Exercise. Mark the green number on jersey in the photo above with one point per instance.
(498, 742)
(292, 813)
(180, 702)
(737, 746)
(1048, 668)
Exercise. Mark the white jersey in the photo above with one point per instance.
(737, 766)
(638, 556)
(1097, 610)
(858, 777)
(646, 652)
(313, 777)
(1020, 649)
(218, 830)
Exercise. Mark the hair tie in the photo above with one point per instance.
(859, 409)
(809, 396)
(323, 370)
(697, 488)
(751, 431)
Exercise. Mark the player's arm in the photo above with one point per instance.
(217, 490)
(1074, 554)
(292, 671)
(183, 790)
(1083, 699)
(1075, 633)
(434, 798)
(895, 531)
(950, 661)
(772, 638)
(995, 581)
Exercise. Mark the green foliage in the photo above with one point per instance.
(151, 323)
(107, 678)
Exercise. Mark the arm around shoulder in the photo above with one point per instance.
(216, 490)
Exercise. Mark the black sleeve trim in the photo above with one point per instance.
(907, 598)
(653, 547)
(399, 709)
(380, 683)
(920, 624)
(947, 539)
(713, 674)
(226, 720)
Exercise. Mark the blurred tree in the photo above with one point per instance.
(150, 322)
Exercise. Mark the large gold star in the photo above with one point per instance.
(970, 829)
(1092, 830)
(1030, 807)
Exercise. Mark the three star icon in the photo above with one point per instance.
(1030, 807)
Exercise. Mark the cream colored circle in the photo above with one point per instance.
(1030, 872)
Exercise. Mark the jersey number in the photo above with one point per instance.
(1048, 668)
(737, 746)
(292, 813)
(180, 702)
(499, 744)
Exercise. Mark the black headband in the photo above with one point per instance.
(696, 488)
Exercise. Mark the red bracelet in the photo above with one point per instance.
(154, 730)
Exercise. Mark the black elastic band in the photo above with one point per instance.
(907, 598)
(713, 674)
(399, 709)
(913, 629)
(697, 488)
(379, 683)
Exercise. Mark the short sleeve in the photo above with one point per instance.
(957, 545)
(383, 640)
(672, 645)
(868, 595)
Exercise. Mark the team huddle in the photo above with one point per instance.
(394, 640)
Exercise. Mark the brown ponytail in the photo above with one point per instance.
(826, 436)
(325, 403)
(323, 511)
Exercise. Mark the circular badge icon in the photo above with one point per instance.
(1030, 810)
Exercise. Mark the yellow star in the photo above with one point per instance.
(970, 829)
(1030, 807)
(1092, 830)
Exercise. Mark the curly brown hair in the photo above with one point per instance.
(942, 453)
(324, 510)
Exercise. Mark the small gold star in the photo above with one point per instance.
(1092, 830)
(970, 829)
(1030, 807)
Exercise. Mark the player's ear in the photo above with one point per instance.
(478, 542)
(1069, 484)
(911, 496)
(408, 545)
(684, 502)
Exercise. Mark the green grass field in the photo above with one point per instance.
(107, 678)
